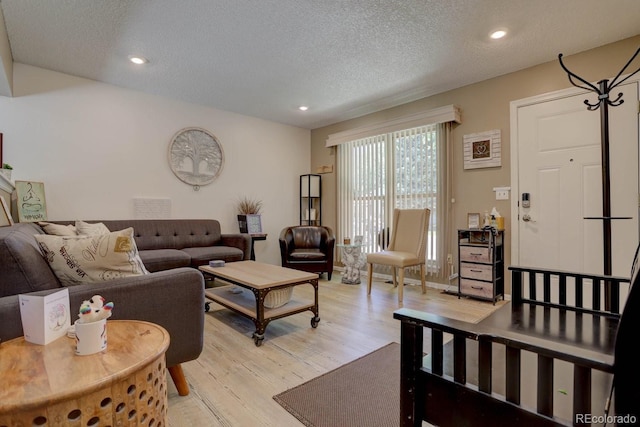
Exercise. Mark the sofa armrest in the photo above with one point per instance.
(173, 299)
(286, 242)
(330, 244)
(238, 240)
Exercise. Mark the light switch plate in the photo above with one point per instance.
(502, 195)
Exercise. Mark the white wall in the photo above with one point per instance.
(97, 146)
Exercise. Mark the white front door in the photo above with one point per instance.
(558, 155)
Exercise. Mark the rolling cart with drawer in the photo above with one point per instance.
(481, 263)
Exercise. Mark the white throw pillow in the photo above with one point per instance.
(87, 229)
(58, 229)
(90, 259)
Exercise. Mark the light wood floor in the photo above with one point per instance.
(233, 382)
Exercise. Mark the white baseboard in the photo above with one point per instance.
(407, 281)
(415, 282)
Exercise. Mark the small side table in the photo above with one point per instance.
(126, 384)
(254, 237)
(353, 260)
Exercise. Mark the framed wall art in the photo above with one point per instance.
(30, 201)
(195, 156)
(482, 150)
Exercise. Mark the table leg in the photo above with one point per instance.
(253, 252)
(261, 325)
(316, 318)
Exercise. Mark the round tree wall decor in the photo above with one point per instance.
(195, 156)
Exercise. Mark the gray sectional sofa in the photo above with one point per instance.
(171, 295)
(171, 243)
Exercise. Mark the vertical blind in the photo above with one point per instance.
(393, 170)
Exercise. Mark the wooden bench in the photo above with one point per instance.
(547, 357)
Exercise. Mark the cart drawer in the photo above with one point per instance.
(475, 253)
(476, 288)
(476, 271)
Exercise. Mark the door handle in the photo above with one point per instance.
(527, 218)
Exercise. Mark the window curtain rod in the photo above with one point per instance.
(449, 113)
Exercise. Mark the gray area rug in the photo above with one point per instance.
(364, 392)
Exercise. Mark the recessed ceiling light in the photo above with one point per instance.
(498, 34)
(138, 60)
(303, 108)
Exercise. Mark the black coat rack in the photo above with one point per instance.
(603, 90)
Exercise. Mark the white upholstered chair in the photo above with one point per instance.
(407, 248)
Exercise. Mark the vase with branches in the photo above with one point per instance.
(249, 206)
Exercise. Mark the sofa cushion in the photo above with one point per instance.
(87, 229)
(164, 259)
(88, 259)
(308, 237)
(23, 268)
(170, 233)
(307, 255)
(202, 256)
(58, 229)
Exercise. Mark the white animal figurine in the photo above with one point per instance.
(354, 260)
(96, 301)
(94, 309)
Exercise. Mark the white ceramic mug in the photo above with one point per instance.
(90, 337)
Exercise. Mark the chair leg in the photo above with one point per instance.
(177, 375)
(401, 285)
(422, 279)
(369, 277)
(395, 282)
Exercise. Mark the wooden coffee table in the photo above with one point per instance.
(260, 279)
(49, 385)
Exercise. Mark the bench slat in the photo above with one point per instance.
(545, 385)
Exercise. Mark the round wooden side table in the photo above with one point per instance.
(48, 385)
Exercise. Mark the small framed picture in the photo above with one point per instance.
(250, 223)
(32, 206)
(473, 220)
(482, 149)
(254, 224)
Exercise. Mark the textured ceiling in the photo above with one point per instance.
(342, 58)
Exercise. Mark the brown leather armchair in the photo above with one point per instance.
(308, 248)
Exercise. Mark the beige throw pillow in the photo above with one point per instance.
(87, 229)
(90, 259)
(58, 229)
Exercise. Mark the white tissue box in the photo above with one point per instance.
(45, 318)
(216, 263)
